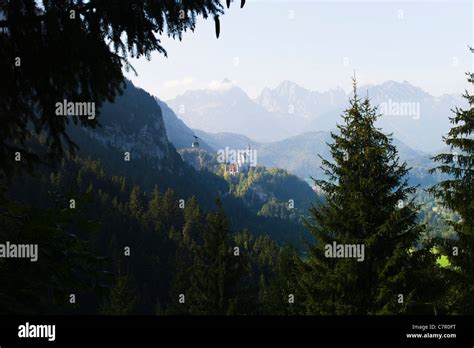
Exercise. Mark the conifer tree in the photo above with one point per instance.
(170, 212)
(216, 271)
(457, 194)
(123, 297)
(284, 295)
(369, 204)
(152, 214)
(192, 221)
(136, 202)
(186, 242)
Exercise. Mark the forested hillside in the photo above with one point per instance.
(144, 245)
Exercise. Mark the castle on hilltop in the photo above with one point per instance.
(240, 165)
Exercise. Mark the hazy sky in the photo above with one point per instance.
(319, 44)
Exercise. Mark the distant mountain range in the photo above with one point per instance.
(230, 109)
(297, 154)
(291, 99)
(415, 117)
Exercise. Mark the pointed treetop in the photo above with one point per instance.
(354, 85)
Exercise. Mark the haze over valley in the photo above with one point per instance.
(290, 126)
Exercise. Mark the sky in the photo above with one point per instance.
(319, 44)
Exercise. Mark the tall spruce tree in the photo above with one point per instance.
(368, 203)
(283, 295)
(457, 194)
(216, 273)
(186, 243)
